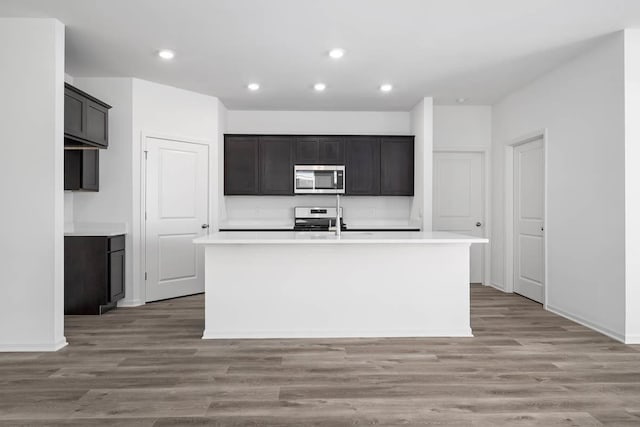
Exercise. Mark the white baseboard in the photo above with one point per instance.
(497, 286)
(632, 339)
(429, 333)
(34, 347)
(130, 303)
(589, 324)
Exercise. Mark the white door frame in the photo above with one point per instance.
(486, 155)
(143, 197)
(509, 237)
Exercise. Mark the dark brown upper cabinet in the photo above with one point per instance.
(241, 165)
(331, 150)
(263, 164)
(276, 165)
(319, 150)
(307, 150)
(396, 166)
(81, 170)
(86, 119)
(362, 166)
(74, 114)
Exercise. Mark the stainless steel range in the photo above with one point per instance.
(316, 219)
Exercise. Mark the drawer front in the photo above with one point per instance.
(116, 243)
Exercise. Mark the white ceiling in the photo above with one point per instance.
(476, 49)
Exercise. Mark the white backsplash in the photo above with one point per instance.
(68, 211)
(278, 210)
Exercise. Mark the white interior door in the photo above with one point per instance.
(528, 168)
(177, 200)
(458, 200)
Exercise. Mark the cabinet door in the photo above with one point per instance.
(240, 165)
(307, 150)
(86, 274)
(90, 170)
(81, 170)
(396, 166)
(331, 151)
(319, 150)
(97, 123)
(74, 114)
(362, 173)
(276, 166)
(72, 170)
(116, 275)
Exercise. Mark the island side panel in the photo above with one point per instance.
(342, 290)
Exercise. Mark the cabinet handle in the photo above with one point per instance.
(205, 226)
(478, 224)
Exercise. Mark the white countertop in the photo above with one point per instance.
(267, 226)
(353, 237)
(289, 227)
(95, 233)
(95, 229)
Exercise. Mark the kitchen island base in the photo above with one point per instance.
(346, 289)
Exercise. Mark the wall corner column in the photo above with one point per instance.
(32, 318)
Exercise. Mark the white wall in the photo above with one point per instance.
(580, 104)
(68, 195)
(632, 187)
(141, 108)
(31, 183)
(68, 210)
(113, 204)
(319, 122)
(468, 128)
(418, 129)
(421, 120)
(218, 207)
(275, 211)
(175, 113)
(462, 126)
(358, 211)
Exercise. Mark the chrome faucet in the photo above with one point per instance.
(338, 219)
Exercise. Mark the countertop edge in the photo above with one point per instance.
(205, 242)
(94, 234)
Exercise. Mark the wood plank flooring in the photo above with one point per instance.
(147, 366)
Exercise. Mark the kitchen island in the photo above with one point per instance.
(318, 285)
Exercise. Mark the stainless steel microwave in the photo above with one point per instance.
(318, 179)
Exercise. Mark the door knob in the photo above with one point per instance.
(478, 224)
(205, 226)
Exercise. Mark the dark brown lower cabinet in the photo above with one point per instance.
(81, 170)
(94, 273)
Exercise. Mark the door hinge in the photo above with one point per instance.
(145, 275)
(145, 216)
(145, 154)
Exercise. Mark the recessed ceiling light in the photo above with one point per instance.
(336, 53)
(253, 86)
(319, 87)
(386, 87)
(166, 54)
(461, 100)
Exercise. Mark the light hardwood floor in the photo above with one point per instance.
(147, 366)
